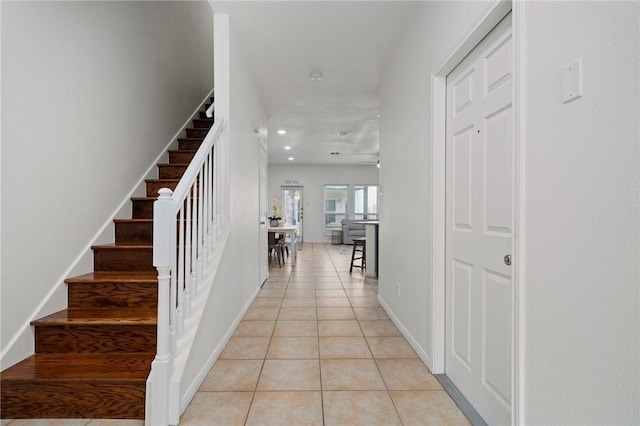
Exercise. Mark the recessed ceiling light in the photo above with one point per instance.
(282, 132)
(343, 133)
(290, 158)
(287, 148)
(316, 76)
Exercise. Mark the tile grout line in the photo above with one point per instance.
(319, 357)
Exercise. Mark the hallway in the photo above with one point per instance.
(315, 348)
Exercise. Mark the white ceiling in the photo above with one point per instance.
(284, 42)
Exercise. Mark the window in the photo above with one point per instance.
(335, 205)
(366, 202)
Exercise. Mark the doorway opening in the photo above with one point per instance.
(293, 210)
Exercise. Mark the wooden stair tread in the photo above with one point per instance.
(115, 276)
(162, 180)
(113, 246)
(149, 198)
(179, 151)
(109, 316)
(84, 366)
(173, 164)
(138, 220)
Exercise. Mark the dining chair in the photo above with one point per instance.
(275, 246)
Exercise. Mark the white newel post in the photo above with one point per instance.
(164, 245)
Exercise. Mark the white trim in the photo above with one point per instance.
(15, 351)
(438, 178)
(519, 61)
(438, 137)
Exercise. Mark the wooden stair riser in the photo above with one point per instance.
(142, 208)
(203, 123)
(193, 132)
(191, 144)
(95, 338)
(137, 232)
(171, 171)
(112, 399)
(113, 295)
(181, 156)
(154, 185)
(134, 232)
(122, 258)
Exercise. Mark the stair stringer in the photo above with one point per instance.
(22, 344)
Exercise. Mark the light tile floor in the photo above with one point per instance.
(314, 348)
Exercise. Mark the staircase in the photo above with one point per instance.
(92, 359)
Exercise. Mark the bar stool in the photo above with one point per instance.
(359, 246)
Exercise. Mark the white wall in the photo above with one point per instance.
(92, 92)
(405, 176)
(582, 279)
(312, 178)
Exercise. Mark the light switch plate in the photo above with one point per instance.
(572, 82)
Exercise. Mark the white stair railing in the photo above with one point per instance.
(185, 228)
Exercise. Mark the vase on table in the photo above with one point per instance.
(274, 223)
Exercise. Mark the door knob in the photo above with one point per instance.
(507, 259)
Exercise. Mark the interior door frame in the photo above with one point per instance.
(438, 162)
(263, 259)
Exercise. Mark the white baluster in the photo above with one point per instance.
(201, 221)
(193, 287)
(187, 261)
(180, 273)
(205, 214)
(210, 233)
